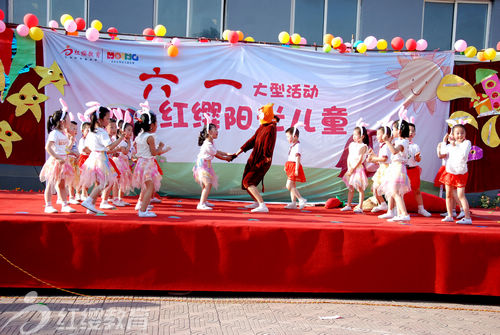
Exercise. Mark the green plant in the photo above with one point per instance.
(487, 202)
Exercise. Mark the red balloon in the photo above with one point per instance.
(342, 48)
(30, 20)
(233, 37)
(411, 44)
(80, 23)
(149, 31)
(112, 31)
(397, 43)
(2, 15)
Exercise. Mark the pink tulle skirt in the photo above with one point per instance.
(97, 169)
(145, 170)
(395, 180)
(53, 171)
(203, 171)
(378, 177)
(357, 179)
(73, 161)
(125, 180)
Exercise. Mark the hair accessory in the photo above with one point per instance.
(93, 108)
(145, 109)
(412, 119)
(460, 120)
(361, 123)
(297, 125)
(64, 108)
(208, 118)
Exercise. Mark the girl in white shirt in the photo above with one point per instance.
(124, 184)
(97, 170)
(84, 152)
(293, 169)
(203, 172)
(455, 175)
(146, 175)
(382, 159)
(57, 171)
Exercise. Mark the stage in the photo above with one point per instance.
(230, 249)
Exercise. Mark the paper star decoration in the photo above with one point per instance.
(28, 98)
(52, 75)
(7, 136)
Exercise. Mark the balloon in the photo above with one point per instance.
(70, 26)
(65, 17)
(371, 42)
(240, 35)
(112, 31)
(233, 37)
(490, 53)
(303, 41)
(342, 48)
(327, 48)
(411, 44)
(53, 24)
(327, 39)
(249, 39)
(460, 46)
(176, 41)
(225, 34)
(498, 46)
(336, 42)
(157, 39)
(148, 31)
(296, 38)
(96, 24)
(284, 37)
(2, 15)
(480, 56)
(30, 20)
(397, 43)
(357, 43)
(2, 26)
(381, 44)
(36, 33)
(160, 30)
(92, 34)
(80, 23)
(470, 52)
(421, 45)
(22, 30)
(172, 51)
(361, 48)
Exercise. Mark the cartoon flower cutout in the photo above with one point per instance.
(52, 75)
(28, 98)
(7, 136)
(475, 153)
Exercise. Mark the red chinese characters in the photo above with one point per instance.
(334, 120)
(280, 90)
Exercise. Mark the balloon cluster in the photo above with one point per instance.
(330, 42)
(470, 51)
(295, 39)
(235, 36)
(397, 44)
(29, 27)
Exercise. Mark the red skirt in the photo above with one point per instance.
(414, 176)
(81, 159)
(455, 180)
(290, 172)
(440, 172)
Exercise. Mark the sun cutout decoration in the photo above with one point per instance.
(52, 75)
(417, 80)
(7, 136)
(28, 98)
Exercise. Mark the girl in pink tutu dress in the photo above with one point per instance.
(146, 175)
(355, 177)
(57, 171)
(124, 183)
(203, 172)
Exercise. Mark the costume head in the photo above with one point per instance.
(266, 114)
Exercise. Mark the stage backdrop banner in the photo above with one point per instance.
(329, 93)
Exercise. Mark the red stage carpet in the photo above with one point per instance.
(228, 249)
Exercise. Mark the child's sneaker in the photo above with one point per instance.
(465, 221)
(146, 214)
(423, 212)
(452, 214)
(254, 204)
(67, 209)
(461, 215)
(50, 210)
(388, 215)
(203, 207)
(106, 205)
(380, 208)
(209, 204)
(262, 208)
(73, 201)
(155, 200)
(302, 203)
(139, 204)
(90, 206)
(357, 210)
(346, 208)
(291, 205)
(124, 203)
(117, 203)
(447, 219)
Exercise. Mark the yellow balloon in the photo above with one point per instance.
(490, 53)
(160, 30)
(65, 17)
(470, 52)
(36, 33)
(296, 38)
(96, 24)
(327, 48)
(361, 48)
(249, 39)
(381, 44)
(284, 37)
(336, 42)
(225, 34)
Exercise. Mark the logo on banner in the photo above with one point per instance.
(121, 57)
(83, 54)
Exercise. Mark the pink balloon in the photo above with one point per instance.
(157, 39)
(176, 41)
(303, 41)
(23, 30)
(70, 26)
(460, 45)
(53, 24)
(421, 45)
(92, 34)
(2, 26)
(371, 42)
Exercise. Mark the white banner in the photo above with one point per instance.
(328, 92)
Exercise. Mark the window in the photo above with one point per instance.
(342, 18)
(309, 18)
(37, 7)
(60, 7)
(438, 25)
(471, 24)
(173, 15)
(204, 18)
(128, 16)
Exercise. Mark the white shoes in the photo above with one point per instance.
(261, 208)
(118, 203)
(90, 206)
(139, 204)
(461, 215)
(346, 208)
(388, 215)
(448, 219)
(358, 210)
(74, 201)
(146, 214)
(50, 210)
(452, 214)
(209, 204)
(203, 207)
(67, 209)
(465, 221)
(379, 208)
(252, 205)
(398, 218)
(292, 205)
(155, 200)
(302, 203)
(423, 212)
(106, 205)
